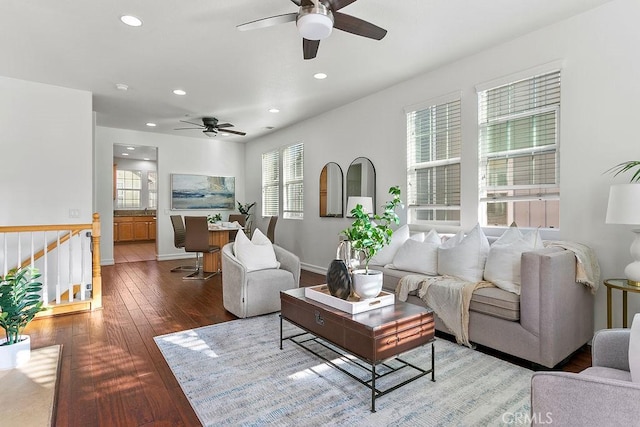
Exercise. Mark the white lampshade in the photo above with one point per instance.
(624, 204)
(366, 202)
(624, 208)
(315, 26)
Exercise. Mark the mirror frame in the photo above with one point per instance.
(329, 190)
(371, 181)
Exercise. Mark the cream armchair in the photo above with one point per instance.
(247, 294)
(602, 395)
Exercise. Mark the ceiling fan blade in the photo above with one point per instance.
(225, 125)
(357, 26)
(296, 2)
(235, 132)
(339, 4)
(187, 128)
(191, 123)
(268, 22)
(310, 48)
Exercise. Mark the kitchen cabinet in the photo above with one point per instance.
(134, 228)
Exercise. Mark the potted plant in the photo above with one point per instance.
(625, 167)
(212, 219)
(367, 235)
(246, 211)
(20, 301)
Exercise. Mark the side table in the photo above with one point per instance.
(622, 285)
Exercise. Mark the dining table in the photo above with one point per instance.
(219, 235)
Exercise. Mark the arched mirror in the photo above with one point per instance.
(361, 180)
(331, 191)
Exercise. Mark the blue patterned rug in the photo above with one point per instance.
(234, 373)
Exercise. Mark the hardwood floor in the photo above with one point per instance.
(112, 372)
(132, 252)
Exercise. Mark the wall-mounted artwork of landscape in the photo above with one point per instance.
(202, 192)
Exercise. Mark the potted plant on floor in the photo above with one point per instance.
(367, 235)
(19, 303)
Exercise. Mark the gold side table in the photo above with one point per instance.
(622, 285)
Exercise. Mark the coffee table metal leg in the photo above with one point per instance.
(280, 332)
(373, 387)
(433, 364)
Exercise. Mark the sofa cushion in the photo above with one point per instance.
(255, 254)
(496, 302)
(418, 256)
(503, 262)
(466, 259)
(386, 254)
(634, 349)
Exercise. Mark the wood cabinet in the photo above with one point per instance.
(134, 228)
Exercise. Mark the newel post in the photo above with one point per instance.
(96, 271)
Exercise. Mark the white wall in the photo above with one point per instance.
(198, 156)
(600, 99)
(46, 152)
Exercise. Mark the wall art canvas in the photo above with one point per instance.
(202, 192)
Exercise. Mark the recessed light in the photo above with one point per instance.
(320, 76)
(151, 125)
(146, 158)
(274, 110)
(270, 127)
(125, 154)
(131, 21)
(121, 86)
(130, 148)
(179, 92)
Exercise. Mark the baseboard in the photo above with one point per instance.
(170, 257)
(313, 268)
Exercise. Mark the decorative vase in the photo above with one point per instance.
(339, 279)
(367, 285)
(14, 355)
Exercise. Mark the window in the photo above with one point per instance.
(518, 146)
(270, 183)
(129, 186)
(293, 185)
(433, 163)
(152, 178)
(291, 182)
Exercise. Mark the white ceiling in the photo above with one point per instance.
(237, 76)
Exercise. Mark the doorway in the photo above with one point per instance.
(135, 200)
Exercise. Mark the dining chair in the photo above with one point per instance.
(197, 240)
(242, 220)
(178, 241)
(271, 230)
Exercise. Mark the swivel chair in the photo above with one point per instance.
(178, 241)
(197, 240)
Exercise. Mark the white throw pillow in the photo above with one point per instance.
(433, 237)
(503, 263)
(418, 257)
(466, 259)
(453, 240)
(634, 349)
(418, 237)
(255, 254)
(386, 254)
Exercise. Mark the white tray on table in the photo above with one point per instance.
(352, 305)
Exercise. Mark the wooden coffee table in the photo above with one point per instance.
(373, 337)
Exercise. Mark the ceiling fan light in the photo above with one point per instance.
(210, 132)
(315, 26)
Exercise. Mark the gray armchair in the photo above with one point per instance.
(247, 294)
(601, 395)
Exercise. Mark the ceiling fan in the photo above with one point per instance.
(210, 127)
(315, 19)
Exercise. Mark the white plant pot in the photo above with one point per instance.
(12, 356)
(367, 285)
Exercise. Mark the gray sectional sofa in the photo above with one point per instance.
(551, 319)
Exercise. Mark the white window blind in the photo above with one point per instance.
(270, 183)
(152, 178)
(433, 163)
(518, 146)
(293, 182)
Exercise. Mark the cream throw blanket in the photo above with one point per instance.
(449, 297)
(587, 267)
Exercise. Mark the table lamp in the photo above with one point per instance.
(366, 202)
(624, 208)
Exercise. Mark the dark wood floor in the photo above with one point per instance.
(112, 372)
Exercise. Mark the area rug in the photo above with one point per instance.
(234, 373)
